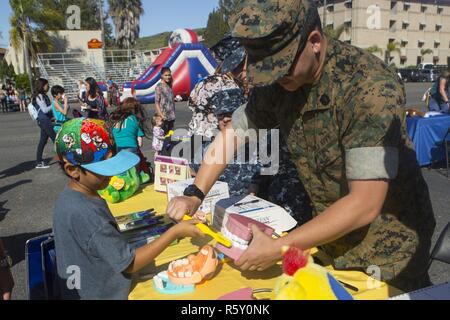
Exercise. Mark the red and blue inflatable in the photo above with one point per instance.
(189, 61)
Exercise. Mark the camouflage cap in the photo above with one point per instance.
(227, 101)
(271, 31)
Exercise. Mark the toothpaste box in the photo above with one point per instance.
(218, 191)
(256, 208)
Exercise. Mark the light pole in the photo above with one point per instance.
(324, 14)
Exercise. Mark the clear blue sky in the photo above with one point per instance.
(160, 16)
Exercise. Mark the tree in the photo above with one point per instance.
(29, 22)
(423, 53)
(332, 33)
(390, 48)
(374, 49)
(215, 28)
(126, 15)
(23, 82)
(6, 71)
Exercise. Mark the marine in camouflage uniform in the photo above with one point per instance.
(348, 125)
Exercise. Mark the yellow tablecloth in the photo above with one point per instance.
(228, 278)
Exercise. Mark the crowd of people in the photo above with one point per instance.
(12, 96)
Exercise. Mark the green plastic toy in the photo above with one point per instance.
(122, 187)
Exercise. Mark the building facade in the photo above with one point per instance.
(418, 30)
(64, 41)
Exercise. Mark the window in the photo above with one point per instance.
(330, 8)
(403, 60)
(393, 4)
(439, 9)
(423, 8)
(406, 6)
(436, 44)
(421, 43)
(422, 26)
(392, 24)
(403, 43)
(438, 27)
(405, 25)
(348, 4)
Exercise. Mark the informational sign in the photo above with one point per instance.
(95, 44)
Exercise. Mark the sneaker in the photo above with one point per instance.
(42, 165)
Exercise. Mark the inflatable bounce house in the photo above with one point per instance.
(189, 61)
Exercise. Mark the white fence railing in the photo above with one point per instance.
(67, 69)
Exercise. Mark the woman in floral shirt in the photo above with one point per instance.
(164, 100)
(204, 123)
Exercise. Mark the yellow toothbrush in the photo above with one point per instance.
(215, 235)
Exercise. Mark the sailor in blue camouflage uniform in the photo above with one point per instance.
(284, 187)
(239, 175)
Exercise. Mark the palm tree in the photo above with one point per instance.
(332, 33)
(29, 21)
(390, 48)
(374, 49)
(423, 53)
(126, 15)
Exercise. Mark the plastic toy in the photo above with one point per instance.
(162, 284)
(305, 280)
(195, 268)
(243, 294)
(215, 235)
(121, 187)
(237, 229)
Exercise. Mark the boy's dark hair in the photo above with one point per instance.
(61, 165)
(57, 90)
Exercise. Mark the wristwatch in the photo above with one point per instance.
(6, 262)
(194, 191)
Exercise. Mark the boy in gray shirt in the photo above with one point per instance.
(94, 260)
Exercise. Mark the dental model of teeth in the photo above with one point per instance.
(195, 268)
(237, 229)
(162, 284)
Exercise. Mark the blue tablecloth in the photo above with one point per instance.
(428, 135)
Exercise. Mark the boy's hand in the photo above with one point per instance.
(187, 229)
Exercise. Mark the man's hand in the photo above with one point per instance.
(6, 284)
(262, 253)
(180, 206)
